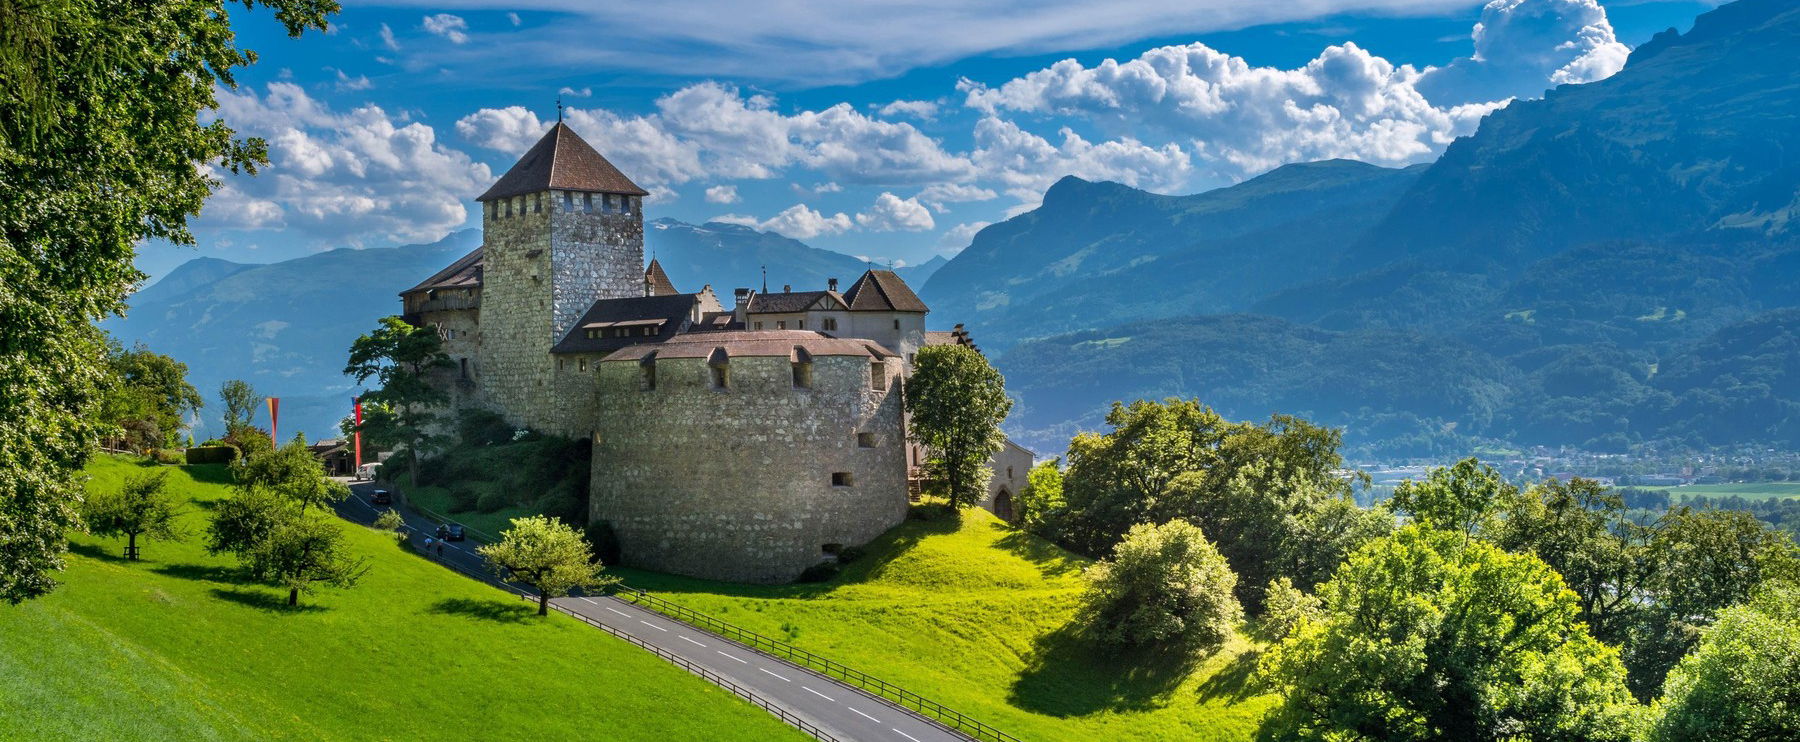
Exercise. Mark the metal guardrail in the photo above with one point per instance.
(745, 693)
(880, 688)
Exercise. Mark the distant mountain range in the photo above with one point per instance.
(287, 327)
(1617, 264)
(1612, 265)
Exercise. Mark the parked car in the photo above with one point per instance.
(450, 531)
(381, 497)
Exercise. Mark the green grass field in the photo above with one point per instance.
(1746, 490)
(974, 615)
(177, 647)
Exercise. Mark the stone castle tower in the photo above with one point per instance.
(563, 229)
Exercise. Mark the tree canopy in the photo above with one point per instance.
(147, 397)
(957, 401)
(1742, 682)
(548, 555)
(1162, 583)
(293, 474)
(400, 357)
(109, 136)
(142, 507)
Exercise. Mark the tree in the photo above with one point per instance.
(141, 508)
(1583, 531)
(1428, 634)
(1742, 682)
(957, 402)
(1464, 498)
(1285, 607)
(303, 551)
(1041, 502)
(293, 473)
(147, 396)
(239, 399)
(400, 356)
(109, 136)
(242, 523)
(1163, 582)
(547, 555)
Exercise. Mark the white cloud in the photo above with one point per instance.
(351, 178)
(514, 17)
(815, 189)
(585, 92)
(1026, 164)
(722, 194)
(387, 38)
(346, 83)
(891, 213)
(919, 109)
(709, 130)
(1523, 47)
(938, 194)
(448, 26)
(818, 42)
(798, 221)
(958, 237)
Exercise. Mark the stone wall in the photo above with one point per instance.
(737, 484)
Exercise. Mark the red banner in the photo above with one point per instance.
(358, 435)
(274, 415)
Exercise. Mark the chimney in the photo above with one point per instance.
(831, 284)
(785, 288)
(742, 307)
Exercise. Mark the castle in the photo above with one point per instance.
(743, 443)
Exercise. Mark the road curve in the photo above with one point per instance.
(842, 711)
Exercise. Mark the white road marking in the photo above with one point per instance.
(651, 625)
(691, 641)
(904, 734)
(615, 610)
(782, 679)
(589, 601)
(721, 651)
(816, 693)
(863, 715)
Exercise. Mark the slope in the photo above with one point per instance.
(177, 647)
(975, 614)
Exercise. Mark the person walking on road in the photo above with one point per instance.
(428, 542)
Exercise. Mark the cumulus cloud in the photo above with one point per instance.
(919, 109)
(891, 213)
(958, 237)
(1525, 46)
(584, 92)
(722, 194)
(342, 178)
(346, 83)
(937, 195)
(387, 38)
(1026, 164)
(711, 130)
(798, 221)
(448, 26)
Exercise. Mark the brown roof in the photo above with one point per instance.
(464, 273)
(793, 301)
(883, 291)
(740, 344)
(562, 161)
(656, 282)
(666, 314)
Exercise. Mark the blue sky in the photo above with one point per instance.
(890, 130)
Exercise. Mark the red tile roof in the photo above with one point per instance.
(562, 161)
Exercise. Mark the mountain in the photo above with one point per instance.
(731, 256)
(1100, 253)
(1614, 264)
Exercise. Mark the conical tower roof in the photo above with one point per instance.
(656, 282)
(561, 161)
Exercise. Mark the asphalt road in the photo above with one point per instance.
(844, 712)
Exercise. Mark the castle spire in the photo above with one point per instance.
(561, 161)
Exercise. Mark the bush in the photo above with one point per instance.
(605, 542)
(1163, 582)
(491, 497)
(482, 428)
(391, 522)
(819, 572)
(167, 456)
(1284, 607)
(212, 454)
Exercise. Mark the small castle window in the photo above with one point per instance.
(465, 367)
(841, 479)
(647, 373)
(878, 376)
(1009, 472)
(830, 324)
(582, 366)
(587, 203)
(593, 334)
(509, 207)
(648, 331)
(759, 325)
(621, 332)
(896, 323)
(559, 364)
(721, 377)
(831, 549)
(781, 324)
(865, 440)
(800, 324)
(568, 201)
(537, 203)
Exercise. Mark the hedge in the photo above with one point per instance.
(212, 454)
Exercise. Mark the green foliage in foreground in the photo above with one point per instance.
(980, 616)
(1162, 583)
(1743, 681)
(1431, 635)
(180, 647)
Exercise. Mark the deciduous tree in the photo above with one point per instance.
(292, 473)
(108, 138)
(1162, 583)
(957, 402)
(1742, 682)
(239, 399)
(400, 357)
(142, 507)
(306, 550)
(548, 555)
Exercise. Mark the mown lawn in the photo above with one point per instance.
(178, 647)
(974, 615)
(1746, 490)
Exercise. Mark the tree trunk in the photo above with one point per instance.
(543, 604)
(293, 597)
(412, 463)
(131, 546)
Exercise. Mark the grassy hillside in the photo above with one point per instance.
(973, 614)
(177, 647)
